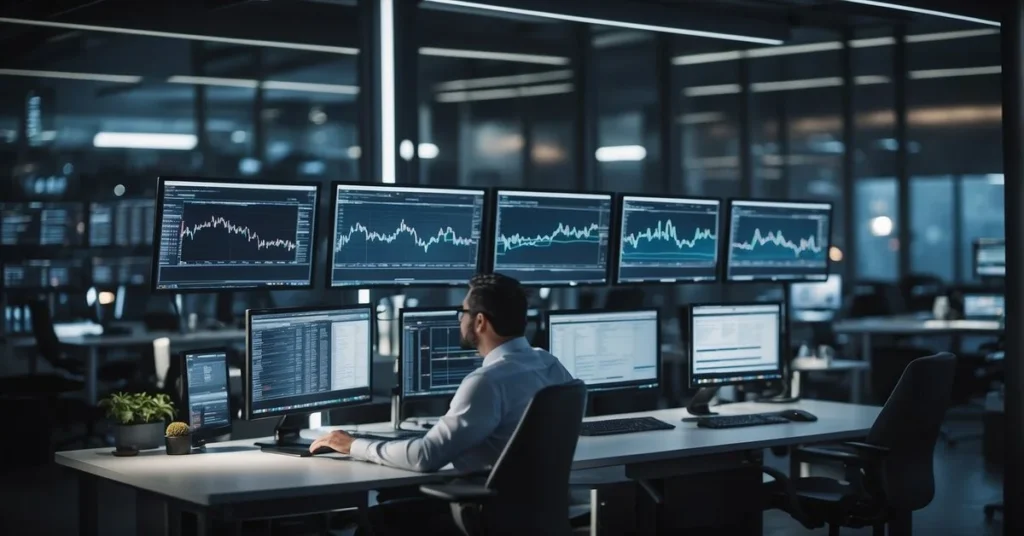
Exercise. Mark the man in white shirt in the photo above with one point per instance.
(489, 402)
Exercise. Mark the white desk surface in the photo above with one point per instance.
(911, 325)
(142, 337)
(236, 471)
(804, 364)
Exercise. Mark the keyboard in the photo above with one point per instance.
(623, 426)
(737, 421)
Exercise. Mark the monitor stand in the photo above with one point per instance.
(698, 405)
(286, 436)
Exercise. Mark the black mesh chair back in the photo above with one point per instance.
(909, 426)
(47, 343)
(887, 366)
(531, 477)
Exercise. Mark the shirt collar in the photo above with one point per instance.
(518, 344)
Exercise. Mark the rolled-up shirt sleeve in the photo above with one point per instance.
(475, 412)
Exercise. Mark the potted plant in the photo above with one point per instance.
(139, 419)
(178, 438)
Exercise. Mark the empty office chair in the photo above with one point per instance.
(888, 364)
(527, 491)
(888, 476)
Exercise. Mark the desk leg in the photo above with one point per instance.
(91, 372)
(866, 355)
(151, 514)
(88, 505)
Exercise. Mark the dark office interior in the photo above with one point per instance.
(154, 156)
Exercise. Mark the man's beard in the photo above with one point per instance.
(469, 341)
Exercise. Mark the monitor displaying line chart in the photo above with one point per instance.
(778, 241)
(216, 235)
(666, 239)
(400, 235)
(552, 238)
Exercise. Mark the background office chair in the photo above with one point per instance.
(890, 475)
(527, 491)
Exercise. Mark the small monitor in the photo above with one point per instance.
(42, 224)
(433, 361)
(989, 257)
(44, 274)
(552, 238)
(122, 223)
(307, 360)
(731, 344)
(121, 271)
(206, 395)
(667, 240)
(984, 305)
(402, 235)
(819, 296)
(222, 235)
(778, 241)
(608, 349)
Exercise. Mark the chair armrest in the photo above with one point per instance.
(868, 449)
(458, 492)
(785, 496)
(828, 455)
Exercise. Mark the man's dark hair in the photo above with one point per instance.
(502, 300)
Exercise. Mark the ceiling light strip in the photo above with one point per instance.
(923, 11)
(503, 93)
(498, 81)
(92, 77)
(495, 56)
(951, 73)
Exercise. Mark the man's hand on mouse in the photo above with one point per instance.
(337, 441)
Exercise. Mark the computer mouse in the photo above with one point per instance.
(798, 415)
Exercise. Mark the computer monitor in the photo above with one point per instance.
(403, 235)
(778, 241)
(984, 305)
(206, 394)
(989, 257)
(305, 360)
(122, 223)
(215, 234)
(817, 301)
(433, 361)
(44, 274)
(608, 350)
(38, 223)
(121, 271)
(545, 238)
(732, 344)
(667, 240)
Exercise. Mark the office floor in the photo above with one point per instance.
(42, 501)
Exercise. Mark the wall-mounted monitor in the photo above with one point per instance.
(778, 240)
(36, 223)
(667, 239)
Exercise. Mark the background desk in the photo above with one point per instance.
(911, 325)
(234, 480)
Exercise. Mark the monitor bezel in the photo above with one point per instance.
(976, 244)
(639, 385)
(399, 370)
(620, 206)
(204, 435)
(481, 246)
(727, 244)
(493, 238)
(247, 370)
(159, 218)
(688, 340)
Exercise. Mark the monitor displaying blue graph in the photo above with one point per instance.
(552, 238)
(401, 235)
(778, 241)
(667, 239)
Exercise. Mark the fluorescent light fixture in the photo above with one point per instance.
(614, 23)
(493, 56)
(621, 153)
(387, 92)
(189, 37)
(706, 91)
(945, 36)
(428, 151)
(789, 85)
(923, 11)
(950, 73)
(142, 140)
(699, 118)
(794, 49)
(278, 85)
(499, 81)
(92, 77)
(782, 85)
(504, 93)
(214, 81)
(364, 296)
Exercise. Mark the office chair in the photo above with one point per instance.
(527, 491)
(888, 476)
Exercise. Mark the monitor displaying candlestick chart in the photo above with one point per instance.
(778, 241)
(402, 235)
(552, 238)
(667, 239)
(220, 235)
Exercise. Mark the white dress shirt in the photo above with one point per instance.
(483, 414)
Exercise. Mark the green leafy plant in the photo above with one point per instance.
(138, 408)
(177, 429)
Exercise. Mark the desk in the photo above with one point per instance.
(911, 325)
(854, 367)
(234, 480)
